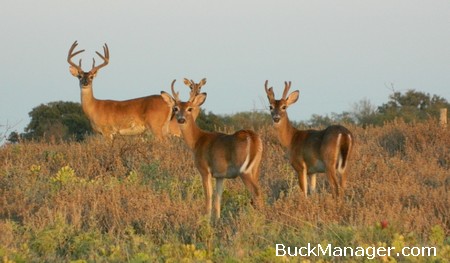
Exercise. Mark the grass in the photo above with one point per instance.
(142, 201)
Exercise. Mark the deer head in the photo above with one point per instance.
(76, 70)
(278, 107)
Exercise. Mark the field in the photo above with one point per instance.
(141, 200)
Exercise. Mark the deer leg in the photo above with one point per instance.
(312, 184)
(300, 168)
(218, 197)
(343, 180)
(207, 187)
(332, 178)
(252, 185)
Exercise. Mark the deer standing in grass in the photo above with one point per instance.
(129, 117)
(311, 151)
(217, 155)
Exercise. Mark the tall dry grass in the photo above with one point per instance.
(141, 200)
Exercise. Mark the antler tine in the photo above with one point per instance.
(175, 94)
(269, 91)
(71, 55)
(287, 86)
(104, 57)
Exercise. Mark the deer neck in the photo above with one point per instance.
(285, 131)
(191, 132)
(88, 100)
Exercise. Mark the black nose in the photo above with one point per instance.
(181, 121)
(276, 119)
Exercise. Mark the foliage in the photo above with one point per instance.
(241, 120)
(411, 106)
(58, 121)
(129, 201)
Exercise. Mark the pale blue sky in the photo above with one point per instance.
(335, 52)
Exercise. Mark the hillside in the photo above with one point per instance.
(142, 201)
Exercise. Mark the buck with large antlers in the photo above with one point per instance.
(129, 117)
(217, 155)
(311, 151)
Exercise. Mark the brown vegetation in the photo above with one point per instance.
(65, 201)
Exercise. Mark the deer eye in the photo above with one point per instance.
(271, 107)
(189, 109)
(175, 109)
(283, 107)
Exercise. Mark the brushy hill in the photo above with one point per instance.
(139, 200)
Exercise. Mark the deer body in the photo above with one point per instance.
(129, 117)
(311, 151)
(217, 155)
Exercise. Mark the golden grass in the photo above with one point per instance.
(136, 199)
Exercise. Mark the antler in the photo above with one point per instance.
(71, 55)
(104, 57)
(269, 91)
(175, 94)
(287, 86)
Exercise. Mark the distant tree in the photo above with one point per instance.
(209, 121)
(13, 137)
(364, 112)
(411, 106)
(58, 120)
(237, 121)
(317, 120)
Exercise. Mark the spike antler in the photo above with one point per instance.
(176, 95)
(269, 91)
(287, 86)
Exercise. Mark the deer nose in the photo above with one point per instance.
(276, 119)
(181, 120)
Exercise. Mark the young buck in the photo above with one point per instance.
(129, 117)
(195, 90)
(217, 155)
(311, 151)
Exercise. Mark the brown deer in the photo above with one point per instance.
(129, 117)
(195, 90)
(311, 151)
(217, 155)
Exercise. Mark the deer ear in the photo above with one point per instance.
(199, 99)
(203, 82)
(292, 98)
(74, 71)
(168, 99)
(187, 82)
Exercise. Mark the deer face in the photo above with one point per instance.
(183, 110)
(278, 110)
(278, 107)
(85, 78)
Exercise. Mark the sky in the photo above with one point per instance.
(336, 53)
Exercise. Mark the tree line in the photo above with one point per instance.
(66, 121)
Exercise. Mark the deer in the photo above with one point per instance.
(311, 151)
(195, 89)
(218, 155)
(128, 117)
